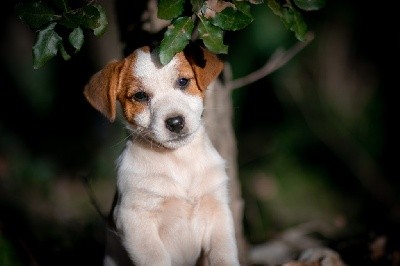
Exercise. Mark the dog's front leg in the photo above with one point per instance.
(223, 248)
(139, 234)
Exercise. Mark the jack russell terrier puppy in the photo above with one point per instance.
(171, 205)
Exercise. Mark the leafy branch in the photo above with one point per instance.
(210, 19)
(277, 60)
(51, 21)
(189, 20)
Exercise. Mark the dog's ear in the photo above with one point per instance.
(205, 64)
(101, 91)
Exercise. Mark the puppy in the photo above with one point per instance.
(171, 204)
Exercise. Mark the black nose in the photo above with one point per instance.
(175, 124)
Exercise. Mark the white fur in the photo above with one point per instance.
(173, 201)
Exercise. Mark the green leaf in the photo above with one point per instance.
(212, 37)
(89, 17)
(244, 8)
(46, 46)
(233, 18)
(291, 18)
(275, 7)
(94, 17)
(35, 14)
(63, 53)
(170, 9)
(86, 17)
(76, 38)
(176, 38)
(71, 20)
(309, 5)
(102, 21)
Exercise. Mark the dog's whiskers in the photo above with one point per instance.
(144, 134)
(123, 140)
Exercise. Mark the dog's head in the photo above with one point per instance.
(163, 104)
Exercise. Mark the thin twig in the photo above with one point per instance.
(276, 61)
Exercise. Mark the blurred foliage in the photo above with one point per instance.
(7, 253)
(312, 135)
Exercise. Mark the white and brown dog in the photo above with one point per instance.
(172, 203)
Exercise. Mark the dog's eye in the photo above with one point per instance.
(141, 96)
(183, 82)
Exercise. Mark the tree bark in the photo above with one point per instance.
(218, 119)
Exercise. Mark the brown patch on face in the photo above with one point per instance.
(115, 82)
(205, 65)
(129, 86)
(102, 89)
(185, 70)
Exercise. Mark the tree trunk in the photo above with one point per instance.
(218, 118)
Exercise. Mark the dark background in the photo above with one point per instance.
(317, 139)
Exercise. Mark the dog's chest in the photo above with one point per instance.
(182, 193)
(189, 173)
(184, 226)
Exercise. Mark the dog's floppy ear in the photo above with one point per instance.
(101, 91)
(206, 65)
